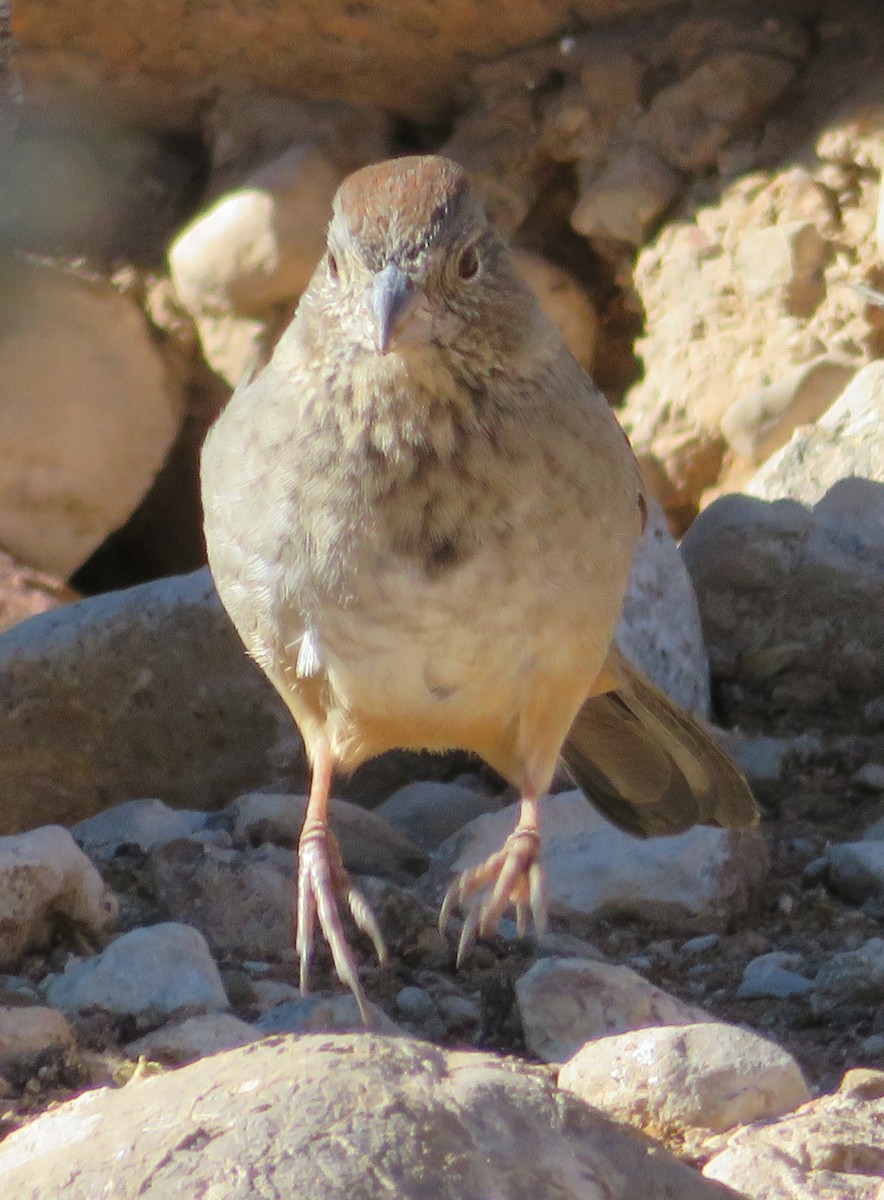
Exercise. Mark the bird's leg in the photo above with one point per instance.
(513, 875)
(323, 883)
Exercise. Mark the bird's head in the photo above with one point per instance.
(413, 260)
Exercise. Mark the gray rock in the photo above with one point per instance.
(145, 692)
(792, 598)
(773, 974)
(686, 1078)
(151, 970)
(660, 629)
(141, 823)
(591, 867)
(415, 1003)
(324, 1013)
(241, 901)
(408, 1119)
(831, 1147)
(369, 843)
(428, 812)
(871, 777)
(856, 869)
(196, 1037)
(45, 878)
(854, 977)
(566, 1002)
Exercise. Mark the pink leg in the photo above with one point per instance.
(514, 876)
(323, 883)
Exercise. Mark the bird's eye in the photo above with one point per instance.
(332, 267)
(468, 262)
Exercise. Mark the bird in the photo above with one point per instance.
(420, 516)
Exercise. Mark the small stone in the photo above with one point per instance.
(27, 1031)
(854, 977)
(773, 975)
(270, 993)
(460, 1010)
(565, 1003)
(699, 945)
(870, 777)
(856, 869)
(153, 970)
(708, 1076)
(185, 1041)
(428, 811)
(324, 1013)
(624, 200)
(415, 1003)
(45, 878)
(141, 823)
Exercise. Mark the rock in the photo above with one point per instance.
(564, 300)
(151, 970)
(415, 1003)
(324, 1013)
(25, 592)
(268, 993)
(27, 1032)
(369, 844)
(784, 263)
(773, 974)
(428, 812)
(146, 692)
(856, 870)
(852, 978)
(87, 414)
(659, 628)
(846, 441)
(625, 200)
(591, 867)
(870, 777)
(45, 878)
(760, 758)
(255, 248)
(566, 1002)
(141, 823)
(817, 576)
(240, 901)
(676, 1080)
(761, 422)
(829, 1147)
(196, 1037)
(408, 1118)
(691, 120)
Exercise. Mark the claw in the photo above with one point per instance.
(322, 884)
(514, 875)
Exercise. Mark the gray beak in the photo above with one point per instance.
(391, 295)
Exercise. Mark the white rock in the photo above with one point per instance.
(87, 414)
(160, 968)
(327, 1117)
(566, 1002)
(44, 876)
(26, 1031)
(195, 1037)
(773, 975)
(591, 867)
(691, 1077)
(141, 823)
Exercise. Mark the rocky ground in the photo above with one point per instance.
(696, 200)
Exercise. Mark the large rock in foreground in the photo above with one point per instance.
(330, 1116)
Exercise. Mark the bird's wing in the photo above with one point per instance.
(647, 765)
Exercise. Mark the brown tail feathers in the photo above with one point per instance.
(648, 766)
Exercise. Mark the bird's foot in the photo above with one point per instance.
(323, 884)
(514, 875)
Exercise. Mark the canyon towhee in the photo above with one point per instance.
(421, 516)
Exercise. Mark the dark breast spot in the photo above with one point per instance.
(443, 556)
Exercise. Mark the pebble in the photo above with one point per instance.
(159, 969)
(871, 777)
(27, 1031)
(184, 1041)
(854, 977)
(775, 975)
(427, 812)
(141, 823)
(324, 1013)
(856, 870)
(414, 1003)
(700, 944)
